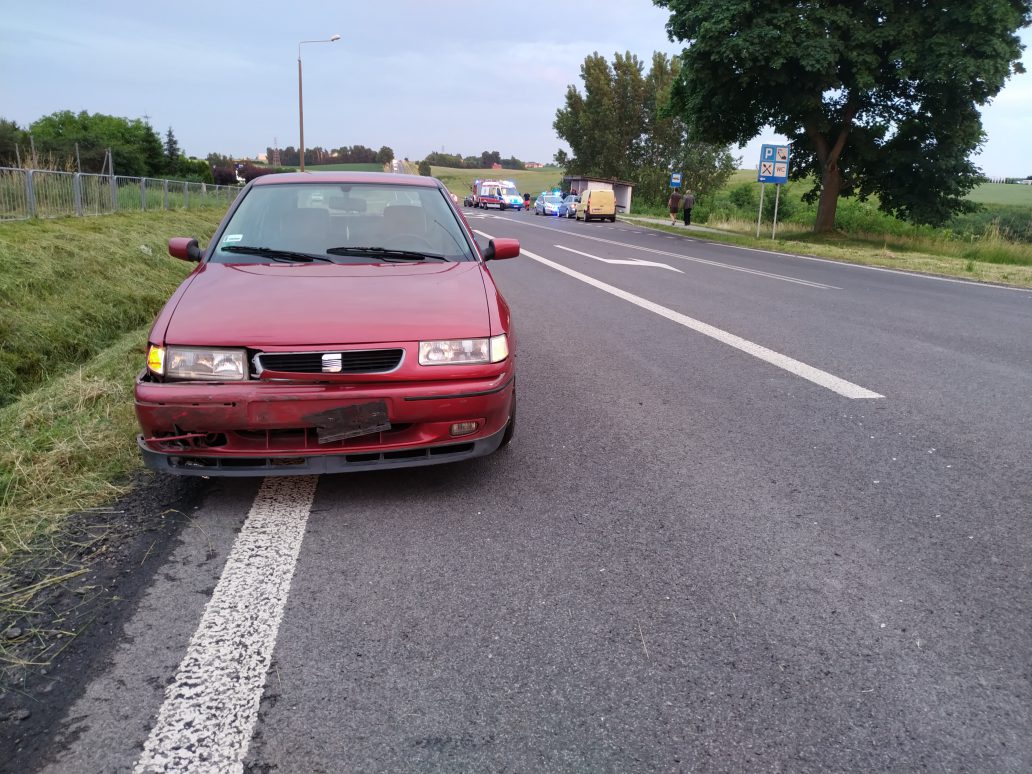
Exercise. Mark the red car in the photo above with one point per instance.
(336, 322)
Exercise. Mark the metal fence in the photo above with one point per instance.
(39, 193)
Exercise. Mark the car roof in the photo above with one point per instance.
(389, 178)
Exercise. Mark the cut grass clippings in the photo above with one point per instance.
(69, 287)
(65, 447)
(77, 296)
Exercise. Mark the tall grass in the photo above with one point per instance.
(1000, 235)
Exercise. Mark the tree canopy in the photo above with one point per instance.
(877, 97)
(621, 127)
(135, 147)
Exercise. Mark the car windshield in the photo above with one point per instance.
(552, 200)
(329, 221)
(510, 192)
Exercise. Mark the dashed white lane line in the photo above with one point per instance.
(206, 722)
(808, 372)
(620, 261)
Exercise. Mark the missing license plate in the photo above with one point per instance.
(350, 421)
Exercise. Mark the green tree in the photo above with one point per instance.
(385, 155)
(424, 168)
(172, 153)
(11, 137)
(135, 147)
(621, 127)
(876, 97)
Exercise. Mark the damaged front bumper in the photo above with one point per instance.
(261, 428)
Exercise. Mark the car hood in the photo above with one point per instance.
(255, 305)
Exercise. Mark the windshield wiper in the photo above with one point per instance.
(286, 256)
(385, 253)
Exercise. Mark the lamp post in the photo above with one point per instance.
(300, 99)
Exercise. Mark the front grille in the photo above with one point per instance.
(364, 361)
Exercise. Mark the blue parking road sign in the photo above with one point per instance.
(773, 164)
(675, 179)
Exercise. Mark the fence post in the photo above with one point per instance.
(30, 194)
(143, 193)
(77, 191)
(186, 196)
(164, 186)
(114, 194)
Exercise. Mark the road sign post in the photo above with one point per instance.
(773, 169)
(759, 215)
(675, 179)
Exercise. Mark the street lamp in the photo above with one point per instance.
(300, 100)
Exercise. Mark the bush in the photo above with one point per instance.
(224, 176)
(424, 168)
(787, 204)
(744, 196)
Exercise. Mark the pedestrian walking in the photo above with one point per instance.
(673, 205)
(688, 203)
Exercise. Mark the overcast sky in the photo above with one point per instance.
(416, 75)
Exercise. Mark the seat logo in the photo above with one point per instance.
(331, 363)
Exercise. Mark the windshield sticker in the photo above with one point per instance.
(232, 238)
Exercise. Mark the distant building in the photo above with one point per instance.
(533, 165)
(496, 166)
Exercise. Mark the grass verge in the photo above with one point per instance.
(982, 262)
(77, 296)
(66, 447)
(69, 287)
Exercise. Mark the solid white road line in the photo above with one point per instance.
(620, 261)
(705, 261)
(815, 375)
(206, 722)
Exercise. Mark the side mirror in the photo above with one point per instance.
(185, 248)
(497, 249)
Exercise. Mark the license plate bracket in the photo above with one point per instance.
(345, 422)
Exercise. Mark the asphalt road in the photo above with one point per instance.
(698, 555)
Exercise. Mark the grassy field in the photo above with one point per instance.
(532, 181)
(1003, 193)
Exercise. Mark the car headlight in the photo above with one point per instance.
(201, 363)
(464, 351)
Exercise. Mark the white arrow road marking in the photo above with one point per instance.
(808, 372)
(623, 262)
(705, 261)
(206, 722)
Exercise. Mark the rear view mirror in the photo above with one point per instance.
(497, 249)
(185, 249)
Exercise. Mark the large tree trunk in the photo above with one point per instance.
(831, 183)
(831, 176)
